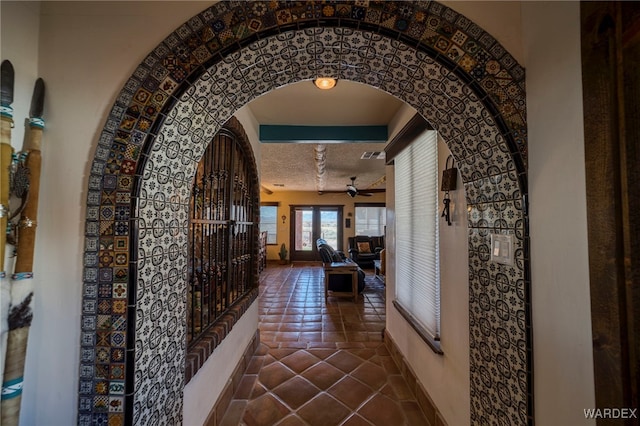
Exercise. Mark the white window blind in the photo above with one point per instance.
(417, 246)
(370, 220)
(268, 222)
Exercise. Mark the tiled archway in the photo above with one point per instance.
(455, 74)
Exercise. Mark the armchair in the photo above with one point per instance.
(364, 249)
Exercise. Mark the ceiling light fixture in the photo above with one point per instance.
(325, 83)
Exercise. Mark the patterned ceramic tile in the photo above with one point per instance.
(464, 83)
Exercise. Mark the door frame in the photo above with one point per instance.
(313, 254)
(610, 52)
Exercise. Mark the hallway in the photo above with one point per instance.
(318, 363)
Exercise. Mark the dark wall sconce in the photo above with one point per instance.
(284, 218)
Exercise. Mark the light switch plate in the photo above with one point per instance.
(502, 249)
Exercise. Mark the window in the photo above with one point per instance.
(269, 221)
(371, 219)
(417, 245)
(222, 234)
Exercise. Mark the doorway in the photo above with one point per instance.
(244, 56)
(308, 223)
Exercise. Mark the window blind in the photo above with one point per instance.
(417, 245)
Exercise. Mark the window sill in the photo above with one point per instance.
(199, 352)
(433, 343)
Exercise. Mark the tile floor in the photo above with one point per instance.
(320, 364)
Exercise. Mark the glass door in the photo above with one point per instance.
(310, 223)
(302, 233)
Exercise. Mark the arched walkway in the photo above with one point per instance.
(455, 74)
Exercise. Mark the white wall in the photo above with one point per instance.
(562, 348)
(19, 32)
(202, 392)
(444, 377)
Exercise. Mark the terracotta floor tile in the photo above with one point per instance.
(311, 336)
(296, 392)
(274, 374)
(290, 380)
(370, 374)
(272, 318)
(258, 391)
(374, 326)
(246, 385)
(255, 364)
(294, 345)
(279, 353)
(357, 336)
(267, 336)
(331, 326)
(350, 345)
(269, 326)
(324, 410)
(291, 420)
(345, 361)
(356, 420)
(262, 350)
(293, 318)
(365, 353)
(291, 326)
(358, 326)
(376, 336)
(233, 415)
(323, 375)
(322, 353)
(414, 414)
(351, 392)
(400, 387)
(300, 361)
(311, 326)
(333, 336)
(382, 411)
(264, 411)
(389, 365)
(287, 336)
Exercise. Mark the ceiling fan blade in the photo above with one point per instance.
(374, 190)
(330, 192)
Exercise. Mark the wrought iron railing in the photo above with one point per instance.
(221, 234)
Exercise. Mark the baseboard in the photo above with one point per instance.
(220, 407)
(431, 412)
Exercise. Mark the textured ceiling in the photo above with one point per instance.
(349, 103)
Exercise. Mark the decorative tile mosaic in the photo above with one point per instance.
(454, 73)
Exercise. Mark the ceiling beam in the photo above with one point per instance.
(323, 134)
(320, 157)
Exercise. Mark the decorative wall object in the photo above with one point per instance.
(455, 74)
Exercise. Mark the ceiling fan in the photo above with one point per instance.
(352, 190)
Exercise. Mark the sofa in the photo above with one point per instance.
(364, 249)
(338, 282)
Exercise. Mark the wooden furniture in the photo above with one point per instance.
(262, 252)
(341, 268)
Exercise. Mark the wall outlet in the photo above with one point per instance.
(502, 249)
